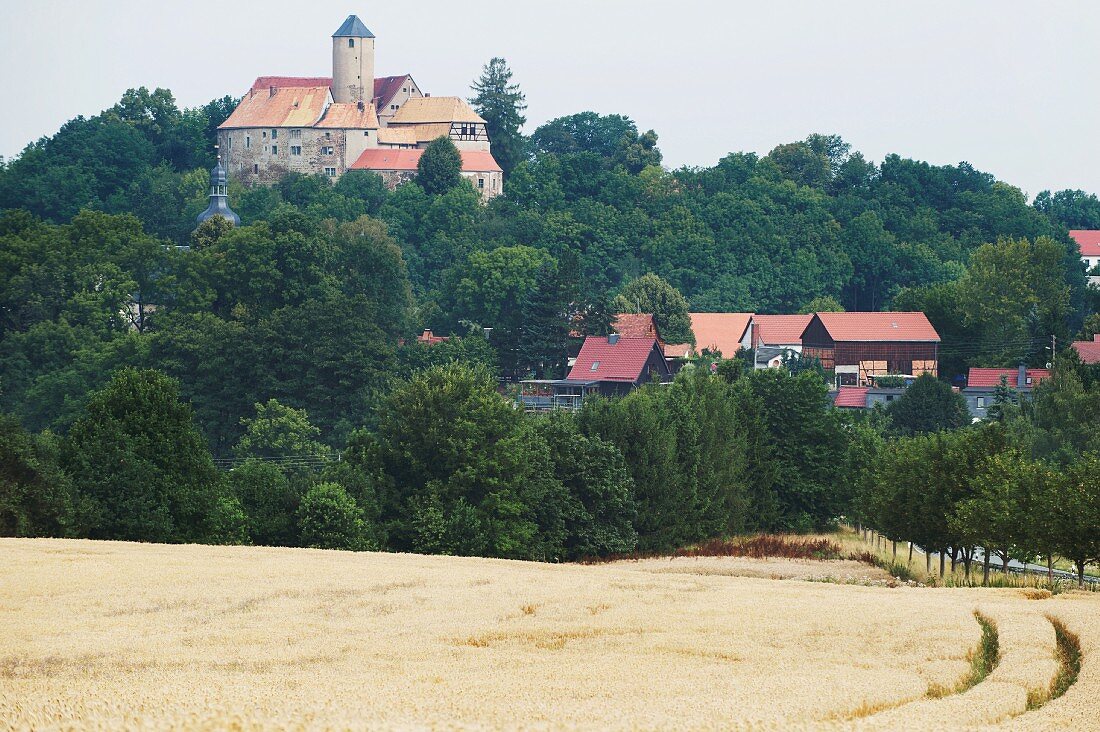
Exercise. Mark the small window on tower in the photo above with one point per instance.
(351, 43)
(247, 142)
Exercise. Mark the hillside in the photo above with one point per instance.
(105, 635)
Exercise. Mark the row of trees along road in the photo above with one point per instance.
(1021, 486)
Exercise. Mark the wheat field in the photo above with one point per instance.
(106, 635)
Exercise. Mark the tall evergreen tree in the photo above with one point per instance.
(501, 103)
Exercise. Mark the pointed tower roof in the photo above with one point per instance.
(353, 28)
(219, 197)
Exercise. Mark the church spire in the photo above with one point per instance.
(219, 196)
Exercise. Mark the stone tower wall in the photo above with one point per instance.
(352, 69)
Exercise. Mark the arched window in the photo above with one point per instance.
(351, 43)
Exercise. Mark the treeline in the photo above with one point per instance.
(586, 198)
(450, 467)
(1023, 485)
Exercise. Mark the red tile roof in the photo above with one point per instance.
(879, 327)
(852, 397)
(600, 360)
(1088, 240)
(677, 350)
(266, 82)
(473, 161)
(780, 330)
(992, 377)
(720, 332)
(1089, 351)
(636, 325)
(431, 338)
(289, 106)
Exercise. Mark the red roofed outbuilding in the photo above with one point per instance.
(859, 345)
(398, 166)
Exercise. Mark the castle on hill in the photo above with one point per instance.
(350, 121)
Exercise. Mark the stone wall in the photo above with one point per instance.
(251, 156)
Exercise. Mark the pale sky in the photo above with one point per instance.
(1009, 86)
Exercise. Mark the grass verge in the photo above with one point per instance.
(1068, 654)
(983, 660)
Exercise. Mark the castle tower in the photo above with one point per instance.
(219, 197)
(352, 62)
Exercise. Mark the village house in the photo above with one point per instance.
(1088, 241)
(860, 346)
(606, 366)
(350, 121)
(982, 384)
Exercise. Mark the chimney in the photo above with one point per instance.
(1021, 376)
(612, 339)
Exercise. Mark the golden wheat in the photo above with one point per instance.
(100, 635)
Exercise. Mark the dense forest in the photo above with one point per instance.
(136, 348)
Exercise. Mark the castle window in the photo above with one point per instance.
(330, 172)
(264, 134)
(274, 149)
(481, 183)
(255, 168)
(366, 133)
(247, 142)
(393, 106)
(351, 43)
(328, 135)
(295, 149)
(295, 134)
(326, 150)
(274, 134)
(229, 143)
(981, 402)
(405, 89)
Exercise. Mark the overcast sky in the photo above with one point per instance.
(1009, 86)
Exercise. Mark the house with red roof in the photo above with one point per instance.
(1088, 240)
(1088, 351)
(859, 346)
(982, 384)
(606, 366)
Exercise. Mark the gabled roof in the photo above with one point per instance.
(1088, 240)
(473, 161)
(636, 325)
(779, 330)
(354, 28)
(419, 110)
(348, 116)
(912, 327)
(289, 106)
(853, 397)
(386, 87)
(624, 360)
(992, 377)
(722, 332)
(1088, 351)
